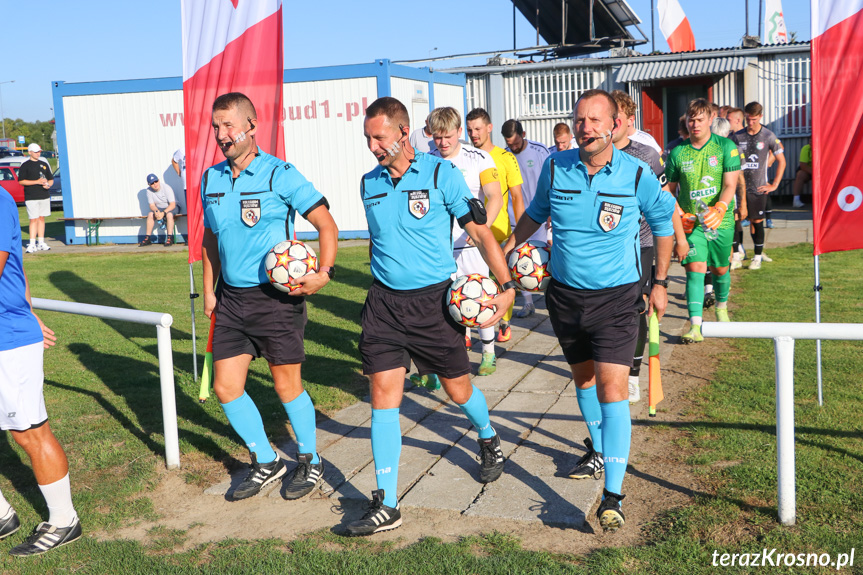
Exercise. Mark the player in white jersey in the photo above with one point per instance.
(643, 137)
(530, 156)
(563, 138)
(421, 139)
(480, 173)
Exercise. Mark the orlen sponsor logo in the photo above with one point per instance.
(705, 193)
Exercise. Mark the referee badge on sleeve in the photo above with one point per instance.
(250, 212)
(418, 203)
(609, 216)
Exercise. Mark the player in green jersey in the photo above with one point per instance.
(705, 168)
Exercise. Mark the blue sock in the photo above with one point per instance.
(386, 449)
(246, 420)
(476, 410)
(617, 436)
(588, 403)
(301, 413)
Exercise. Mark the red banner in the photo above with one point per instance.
(228, 46)
(837, 118)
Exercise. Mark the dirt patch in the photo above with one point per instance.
(658, 479)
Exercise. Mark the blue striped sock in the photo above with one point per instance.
(301, 413)
(476, 410)
(616, 437)
(588, 403)
(244, 417)
(386, 450)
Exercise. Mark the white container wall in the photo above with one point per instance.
(452, 96)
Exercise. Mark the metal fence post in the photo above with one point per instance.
(787, 496)
(169, 401)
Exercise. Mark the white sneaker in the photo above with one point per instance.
(755, 264)
(634, 389)
(766, 258)
(736, 261)
(32, 249)
(44, 247)
(526, 311)
(798, 204)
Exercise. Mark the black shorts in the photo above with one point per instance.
(756, 206)
(404, 325)
(601, 325)
(260, 321)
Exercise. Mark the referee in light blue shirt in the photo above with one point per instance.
(596, 196)
(410, 200)
(250, 201)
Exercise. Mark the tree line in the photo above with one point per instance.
(39, 132)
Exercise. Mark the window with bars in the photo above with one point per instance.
(551, 93)
(794, 96)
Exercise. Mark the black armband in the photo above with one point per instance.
(476, 213)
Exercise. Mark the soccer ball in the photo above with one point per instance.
(528, 263)
(287, 262)
(467, 299)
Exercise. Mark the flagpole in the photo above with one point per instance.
(760, 5)
(652, 30)
(747, 17)
(192, 296)
(818, 320)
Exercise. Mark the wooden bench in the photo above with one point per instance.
(93, 224)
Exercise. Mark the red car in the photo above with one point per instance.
(9, 182)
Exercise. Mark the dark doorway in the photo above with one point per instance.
(677, 99)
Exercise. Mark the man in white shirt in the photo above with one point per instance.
(563, 139)
(530, 156)
(480, 173)
(178, 161)
(421, 139)
(643, 137)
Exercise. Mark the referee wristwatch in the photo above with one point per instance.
(509, 285)
(330, 270)
(658, 282)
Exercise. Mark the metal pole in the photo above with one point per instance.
(169, 401)
(652, 30)
(537, 22)
(192, 296)
(760, 4)
(818, 320)
(784, 347)
(747, 17)
(2, 117)
(514, 47)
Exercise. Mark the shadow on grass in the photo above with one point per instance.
(20, 475)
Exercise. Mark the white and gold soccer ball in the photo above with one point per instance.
(529, 266)
(287, 262)
(468, 297)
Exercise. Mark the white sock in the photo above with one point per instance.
(58, 496)
(528, 298)
(757, 258)
(708, 288)
(41, 241)
(721, 304)
(695, 320)
(487, 335)
(5, 508)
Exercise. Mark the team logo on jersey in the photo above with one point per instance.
(713, 161)
(760, 145)
(250, 212)
(687, 166)
(530, 163)
(706, 180)
(418, 203)
(609, 216)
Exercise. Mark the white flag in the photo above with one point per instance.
(774, 23)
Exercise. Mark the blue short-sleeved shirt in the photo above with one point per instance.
(596, 223)
(253, 213)
(410, 224)
(18, 325)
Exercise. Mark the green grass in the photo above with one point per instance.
(102, 389)
(54, 228)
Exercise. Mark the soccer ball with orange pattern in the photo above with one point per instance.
(529, 266)
(287, 262)
(467, 299)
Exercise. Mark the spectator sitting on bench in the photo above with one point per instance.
(163, 205)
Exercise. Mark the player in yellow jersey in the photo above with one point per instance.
(479, 128)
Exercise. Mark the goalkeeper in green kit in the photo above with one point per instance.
(704, 171)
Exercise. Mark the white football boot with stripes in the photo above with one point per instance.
(378, 518)
(306, 477)
(47, 537)
(261, 475)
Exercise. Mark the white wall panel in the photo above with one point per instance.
(113, 141)
(328, 146)
(452, 96)
(407, 91)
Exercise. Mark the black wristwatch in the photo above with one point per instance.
(663, 283)
(331, 271)
(511, 284)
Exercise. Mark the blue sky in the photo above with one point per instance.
(100, 40)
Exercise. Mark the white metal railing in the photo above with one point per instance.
(163, 322)
(783, 336)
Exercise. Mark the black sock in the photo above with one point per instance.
(758, 237)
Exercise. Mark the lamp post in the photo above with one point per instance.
(2, 117)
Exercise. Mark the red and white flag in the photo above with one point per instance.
(228, 46)
(837, 111)
(675, 26)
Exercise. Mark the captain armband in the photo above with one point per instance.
(475, 213)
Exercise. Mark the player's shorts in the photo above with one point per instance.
(404, 325)
(756, 205)
(717, 253)
(468, 260)
(601, 325)
(22, 405)
(260, 321)
(38, 208)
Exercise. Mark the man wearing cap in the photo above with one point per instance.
(162, 203)
(35, 175)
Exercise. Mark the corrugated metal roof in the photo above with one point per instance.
(659, 70)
